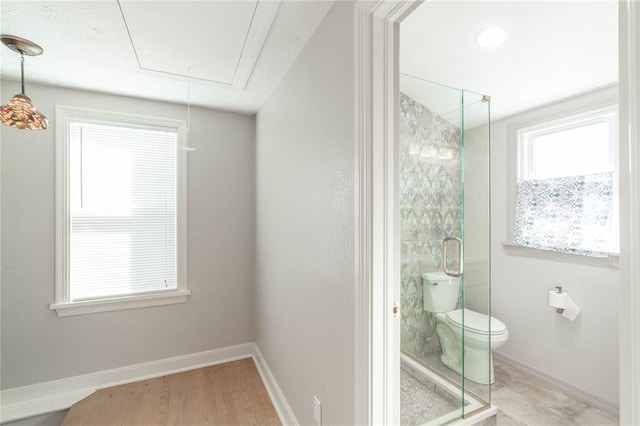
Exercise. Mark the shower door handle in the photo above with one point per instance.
(457, 273)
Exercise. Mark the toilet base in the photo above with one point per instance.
(475, 365)
(478, 363)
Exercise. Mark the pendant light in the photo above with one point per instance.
(19, 112)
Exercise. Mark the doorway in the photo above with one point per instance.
(377, 86)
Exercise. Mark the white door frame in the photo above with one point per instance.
(377, 333)
(629, 302)
(376, 212)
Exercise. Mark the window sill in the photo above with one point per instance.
(611, 261)
(66, 309)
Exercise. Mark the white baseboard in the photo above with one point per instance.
(579, 394)
(277, 397)
(47, 397)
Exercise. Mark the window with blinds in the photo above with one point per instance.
(123, 210)
(121, 232)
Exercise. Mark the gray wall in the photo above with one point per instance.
(582, 354)
(50, 419)
(38, 346)
(305, 225)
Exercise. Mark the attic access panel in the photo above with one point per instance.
(216, 41)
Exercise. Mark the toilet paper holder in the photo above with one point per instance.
(559, 290)
(563, 304)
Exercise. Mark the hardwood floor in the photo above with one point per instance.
(224, 394)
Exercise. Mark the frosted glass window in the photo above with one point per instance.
(567, 189)
(123, 210)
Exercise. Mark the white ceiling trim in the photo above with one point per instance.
(261, 22)
(263, 18)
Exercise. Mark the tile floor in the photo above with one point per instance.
(419, 402)
(523, 400)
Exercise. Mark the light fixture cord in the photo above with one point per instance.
(187, 147)
(81, 167)
(188, 104)
(22, 71)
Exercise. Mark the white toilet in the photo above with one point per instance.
(440, 292)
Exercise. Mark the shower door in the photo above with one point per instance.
(476, 293)
(444, 227)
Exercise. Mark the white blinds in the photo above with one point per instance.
(123, 210)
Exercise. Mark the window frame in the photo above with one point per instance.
(526, 135)
(63, 304)
(582, 106)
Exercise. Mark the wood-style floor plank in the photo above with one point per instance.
(224, 394)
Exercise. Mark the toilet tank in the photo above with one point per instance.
(440, 292)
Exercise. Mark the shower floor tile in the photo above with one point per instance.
(419, 404)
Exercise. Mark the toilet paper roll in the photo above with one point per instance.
(558, 300)
(571, 310)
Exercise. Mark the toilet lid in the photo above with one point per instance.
(476, 321)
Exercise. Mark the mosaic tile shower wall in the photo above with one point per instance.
(430, 210)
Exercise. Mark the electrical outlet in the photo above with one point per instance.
(317, 410)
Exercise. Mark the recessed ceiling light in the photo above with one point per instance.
(491, 37)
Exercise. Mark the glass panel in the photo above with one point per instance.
(438, 179)
(477, 295)
(430, 211)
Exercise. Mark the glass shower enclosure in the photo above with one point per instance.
(445, 287)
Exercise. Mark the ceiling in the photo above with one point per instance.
(231, 38)
(554, 49)
(233, 53)
(236, 52)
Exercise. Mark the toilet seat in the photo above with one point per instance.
(476, 322)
